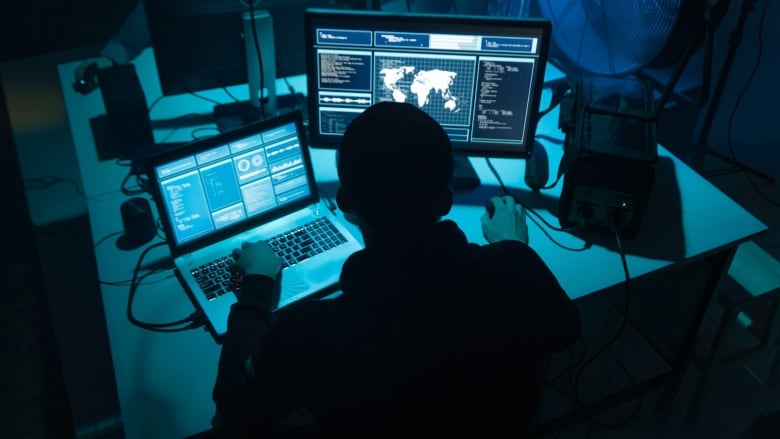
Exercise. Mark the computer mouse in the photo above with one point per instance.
(537, 168)
(138, 221)
(490, 208)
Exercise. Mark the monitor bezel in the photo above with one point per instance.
(465, 24)
(152, 162)
(215, 60)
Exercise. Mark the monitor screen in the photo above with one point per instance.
(198, 44)
(288, 31)
(480, 77)
(210, 187)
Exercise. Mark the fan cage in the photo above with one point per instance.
(612, 37)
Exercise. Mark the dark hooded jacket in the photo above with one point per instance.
(435, 336)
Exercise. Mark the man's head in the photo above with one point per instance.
(395, 165)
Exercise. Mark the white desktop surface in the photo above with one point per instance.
(164, 381)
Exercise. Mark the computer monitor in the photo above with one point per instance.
(480, 77)
(207, 44)
(288, 30)
(198, 44)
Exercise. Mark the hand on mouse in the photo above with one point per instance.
(506, 222)
(257, 258)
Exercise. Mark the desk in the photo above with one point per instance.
(164, 381)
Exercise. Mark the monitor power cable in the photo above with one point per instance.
(574, 381)
(535, 217)
(192, 321)
(48, 182)
(606, 346)
(251, 6)
(559, 88)
(572, 365)
(141, 183)
(154, 104)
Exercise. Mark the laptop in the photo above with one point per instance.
(252, 183)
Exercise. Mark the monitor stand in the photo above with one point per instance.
(261, 77)
(237, 114)
(464, 177)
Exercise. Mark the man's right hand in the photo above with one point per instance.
(257, 258)
(507, 222)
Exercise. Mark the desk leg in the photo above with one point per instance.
(719, 264)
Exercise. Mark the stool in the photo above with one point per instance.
(749, 295)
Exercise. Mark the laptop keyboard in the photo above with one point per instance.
(216, 277)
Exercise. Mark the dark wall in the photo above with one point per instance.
(747, 114)
(35, 27)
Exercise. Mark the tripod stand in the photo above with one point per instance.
(701, 147)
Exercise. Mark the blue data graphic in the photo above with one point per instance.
(402, 39)
(223, 186)
(220, 184)
(440, 85)
(186, 202)
(251, 166)
(259, 196)
(342, 70)
(342, 37)
(229, 215)
(502, 100)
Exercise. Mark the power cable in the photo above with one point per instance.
(193, 320)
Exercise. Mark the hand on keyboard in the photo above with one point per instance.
(257, 258)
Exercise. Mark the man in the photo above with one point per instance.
(430, 334)
(130, 40)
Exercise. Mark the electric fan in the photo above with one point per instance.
(619, 37)
(609, 116)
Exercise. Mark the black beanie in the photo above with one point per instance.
(394, 152)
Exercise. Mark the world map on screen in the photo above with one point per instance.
(442, 88)
(424, 82)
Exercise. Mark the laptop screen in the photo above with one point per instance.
(233, 181)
